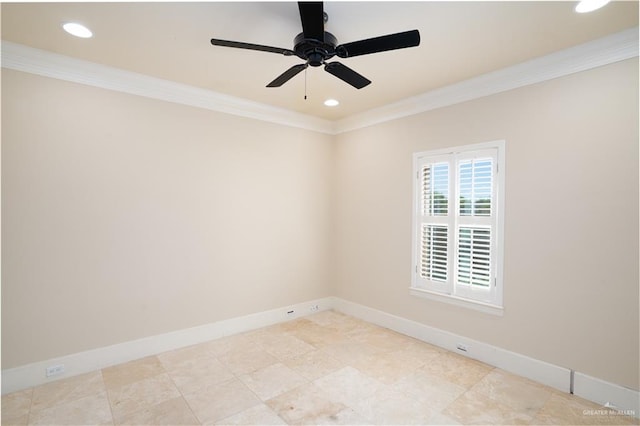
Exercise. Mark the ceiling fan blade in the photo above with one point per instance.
(250, 46)
(347, 75)
(312, 17)
(287, 75)
(379, 44)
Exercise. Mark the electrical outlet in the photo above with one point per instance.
(462, 347)
(314, 308)
(54, 370)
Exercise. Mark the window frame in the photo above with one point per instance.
(450, 291)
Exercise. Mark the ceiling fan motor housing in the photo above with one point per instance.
(315, 52)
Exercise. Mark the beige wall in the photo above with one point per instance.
(125, 217)
(571, 219)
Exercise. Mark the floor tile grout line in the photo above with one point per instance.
(113, 417)
(59, 382)
(182, 396)
(235, 376)
(308, 382)
(30, 405)
(256, 395)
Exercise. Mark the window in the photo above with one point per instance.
(458, 225)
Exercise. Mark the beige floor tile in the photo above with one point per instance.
(352, 327)
(307, 331)
(221, 400)
(318, 336)
(473, 408)
(273, 380)
(384, 339)
(516, 392)
(247, 359)
(456, 369)
(67, 390)
(388, 406)
(349, 351)
(89, 410)
(341, 323)
(566, 409)
(418, 353)
(264, 335)
(346, 416)
(348, 386)
(328, 318)
(327, 368)
(170, 412)
(199, 373)
(286, 346)
(304, 405)
(273, 334)
(11, 420)
(185, 356)
(437, 392)
(441, 420)
(224, 345)
(15, 407)
(133, 371)
(386, 367)
(130, 398)
(291, 326)
(313, 365)
(258, 415)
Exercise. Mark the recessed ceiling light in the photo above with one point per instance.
(77, 30)
(331, 103)
(590, 5)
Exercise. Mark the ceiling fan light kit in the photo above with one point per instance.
(316, 46)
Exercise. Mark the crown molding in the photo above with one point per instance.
(48, 64)
(603, 51)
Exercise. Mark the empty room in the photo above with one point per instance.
(272, 213)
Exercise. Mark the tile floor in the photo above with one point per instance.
(327, 368)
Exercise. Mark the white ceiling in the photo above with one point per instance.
(460, 40)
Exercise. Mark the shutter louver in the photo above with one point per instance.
(476, 187)
(433, 252)
(474, 256)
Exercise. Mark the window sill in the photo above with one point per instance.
(458, 301)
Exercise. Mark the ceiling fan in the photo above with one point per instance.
(316, 46)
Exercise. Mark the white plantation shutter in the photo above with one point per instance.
(475, 248)
(475, 225)
(434, 232)
(434, 252)
(474, 256)
(456, 223)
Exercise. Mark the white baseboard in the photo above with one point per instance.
(539, 371)
(593, 389)
(610, 395)
(596, 390)
(26, 376)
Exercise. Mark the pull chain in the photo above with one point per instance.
(305, 83)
